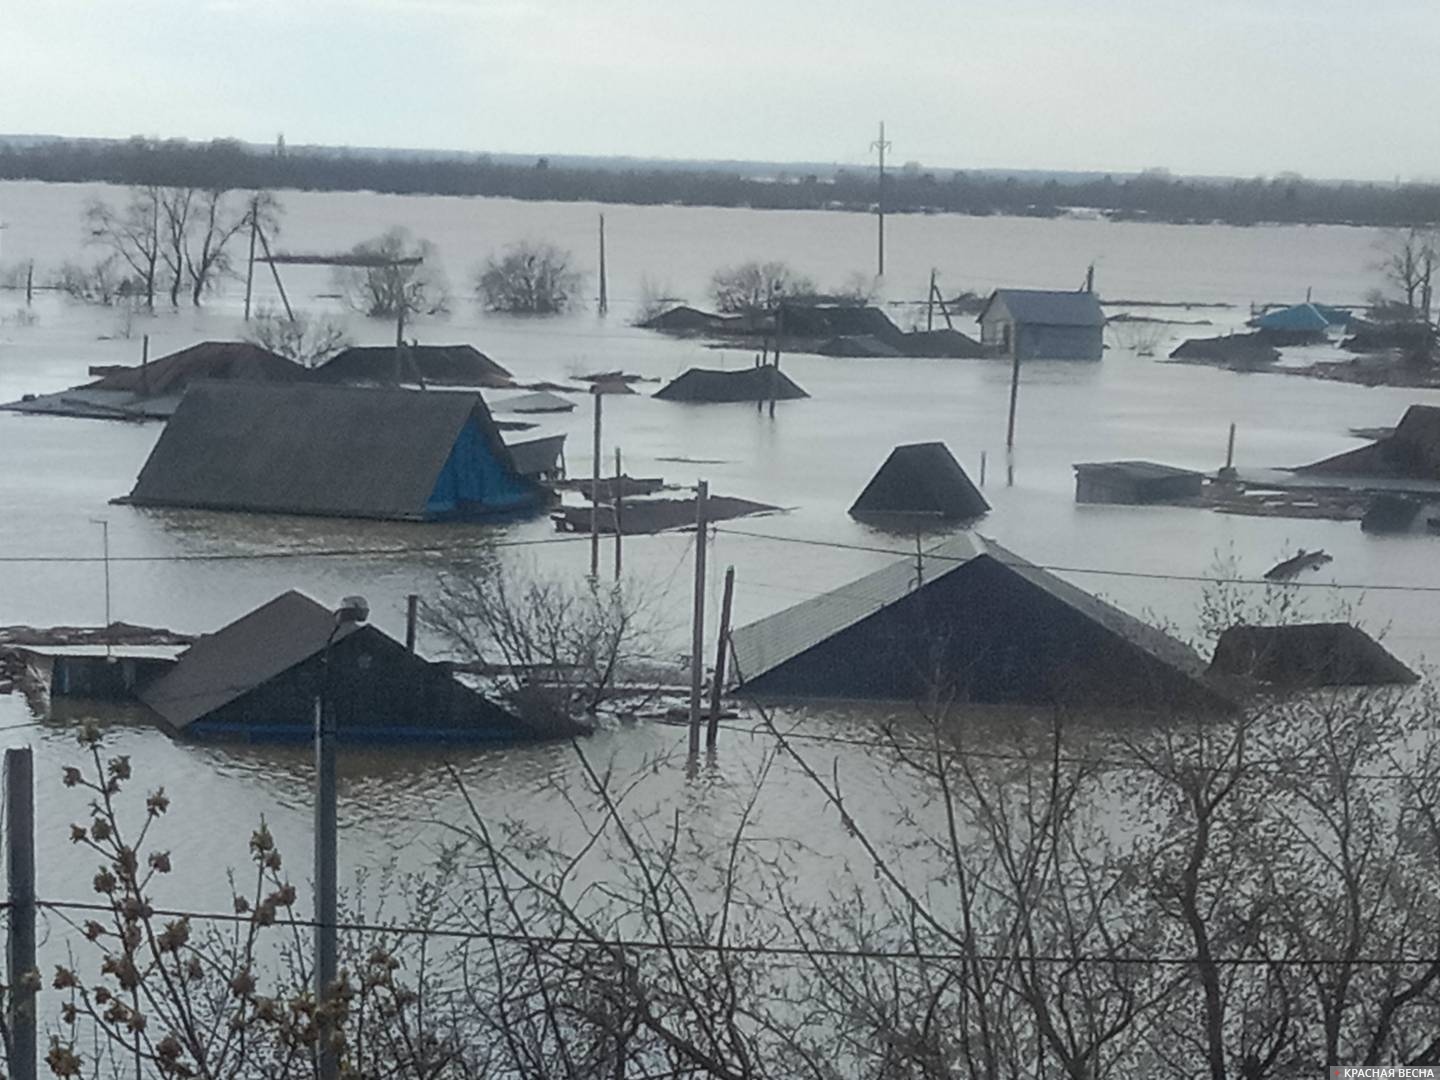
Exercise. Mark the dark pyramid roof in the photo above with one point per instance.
(305, 449)
(226, 665)
(1047, 307)
(839, 631)
(1308, 654)
(837, 320)
(439, 365)
(685, 319)
(1411, 453)
(237, 360)
(943, 344)
(742, 384)
(921, 478)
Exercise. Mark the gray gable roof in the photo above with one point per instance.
(765, 645)
(304, 449)
(1046, 307)
(224, 666)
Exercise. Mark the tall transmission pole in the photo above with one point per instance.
(881, 145)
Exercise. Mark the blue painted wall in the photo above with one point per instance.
(475, 483)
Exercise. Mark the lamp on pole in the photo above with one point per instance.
(352, 610)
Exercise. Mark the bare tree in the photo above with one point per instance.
(530, 278)
(214, 226)
(133, 233)
(1408, 265)
(754, 287)
(397, 288)
(307, 339)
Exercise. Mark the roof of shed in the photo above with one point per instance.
(921, 478)
(1135, 470)
(306, 449)
(1299, 317)
(764, 645)
(252, 650)
(441, 365)
(742, 384)
(238, 360)
(1046, 307)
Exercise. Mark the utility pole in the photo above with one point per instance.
(717, 685)
(105, 552)
(881, 145)
(275, 273)
(22, 975)
(1090, 278)
(604, 299)
(250, 266)
(145, 365)
(1010, 428)
(930, 303)
(353, 609)
(595, 491)
(618, 497)
(697, 629)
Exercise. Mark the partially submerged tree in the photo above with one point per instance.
(307, 339)
(1408, 265)
(132, 233)
(406, 281)
(530, 278)
(755, 287)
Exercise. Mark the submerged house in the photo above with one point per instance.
(920, 480)
(973, 621)
(335, 452)
(432, 365)
(704, 385)
(1411, 452)
(1041, 324)
(257, 680)
(1308, 655)
(1134, 482)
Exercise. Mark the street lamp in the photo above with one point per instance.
(352, 610)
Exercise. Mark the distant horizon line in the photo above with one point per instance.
(698, 163)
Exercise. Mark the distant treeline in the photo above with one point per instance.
(1151, 196)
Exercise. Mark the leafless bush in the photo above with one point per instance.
(755, 287)
(558, 648)
(101, 283)
(388, 291)
(655, 299)
(307, 339)
(530, 278)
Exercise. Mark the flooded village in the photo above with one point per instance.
(664, 644)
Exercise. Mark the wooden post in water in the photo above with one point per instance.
(595, 489)
(1010, 427)
(982, 468)
(604, 298)
(881, 145)
(697, 629)
(619, 499)
(30, 283)
(412, 612)
(775, 374)
(717, 683)
(1230, 450)
(145, 366)
(930, 303)
(275, 273)
(250, 265)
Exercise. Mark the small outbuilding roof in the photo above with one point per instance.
(437, 365)
(943, 344)
(1412, 452)
(226, 665)
(306, 449)
(222, 360)
(1046, 307)
(1136, 471)
(541, 401)
(923, 479)
(1308, 654)
(742, 384)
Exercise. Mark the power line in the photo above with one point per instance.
(1065, 569)
(480, 546)
(797, 951)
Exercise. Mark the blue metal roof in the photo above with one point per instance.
(1300, 317)
(1046, 307)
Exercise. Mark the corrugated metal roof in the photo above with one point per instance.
(1045, 307)
(302, 449)
(1135, 470)
(765, 645)
(226, 665)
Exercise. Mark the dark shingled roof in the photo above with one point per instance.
(944, 344)
(837, 320)
(859, 345)
(1308, 654)
(225, 665)
(781, 640)
(1411, 453)
(1045, 307)
(335, 451)
(921, 478)
(438, 365)
(1135, 470)
(237, 360)
(742, 384)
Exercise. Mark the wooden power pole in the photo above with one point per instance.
(595, 491)
(604, 295)
(697, 629)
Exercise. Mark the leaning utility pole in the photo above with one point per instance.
(604, 298)
(250, 265)
(881, 145)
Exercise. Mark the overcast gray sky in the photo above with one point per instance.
(1331, 88)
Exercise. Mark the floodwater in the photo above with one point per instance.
(58, 475)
